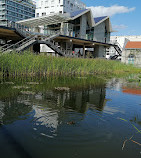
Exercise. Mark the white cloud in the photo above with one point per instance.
(119, 27)
(110, 11)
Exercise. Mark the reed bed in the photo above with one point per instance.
(15, 64)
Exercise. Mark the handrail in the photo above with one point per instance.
(60, 51)
(7, 44)
(30, 39)
(13, 45)
(119, 45)
(116, 44)
(49, 37)
(31, 36)
(2, 48)
(22, 40)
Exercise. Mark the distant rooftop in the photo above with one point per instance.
(133, 45)
(98, 19)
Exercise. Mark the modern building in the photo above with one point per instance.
(46, 7)
(78, 29)
(65, 26)
(16, 10)
(132, 53)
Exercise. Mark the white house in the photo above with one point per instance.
(121, 41)
(132, 53)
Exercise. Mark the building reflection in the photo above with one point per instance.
(52, 108)
(13, 110)
(131, 90)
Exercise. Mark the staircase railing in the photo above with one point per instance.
(5, 46)
(25, 43)
(13, 46)
(118, 49)
(52, 45)
(21, 45)
(50, 37)
(119, 46)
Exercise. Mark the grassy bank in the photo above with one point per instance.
(29, 64)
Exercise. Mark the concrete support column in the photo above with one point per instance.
(93, 52)
(62, 28)
(69, 46)
(99, 51)
(84, 51)
(83, 26)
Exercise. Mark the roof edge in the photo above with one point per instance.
(77, 16)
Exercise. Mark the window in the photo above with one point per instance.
(52, 1)
(43, 14)
(131, 59)
(71, 5)
(46, 3)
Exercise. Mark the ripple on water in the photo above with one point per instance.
(45, 122)
(53, 124)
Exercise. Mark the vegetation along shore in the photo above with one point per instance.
(16, 64)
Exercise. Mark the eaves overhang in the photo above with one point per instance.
(90, 17)
(44, 20)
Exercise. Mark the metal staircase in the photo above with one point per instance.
(17, 45)
(26, 44)
(51, 44)
(6, 45)
(118, 49)
(54, 47)
(30, 39)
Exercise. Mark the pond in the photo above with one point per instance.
(74, 117)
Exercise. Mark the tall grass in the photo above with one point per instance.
(15, 64)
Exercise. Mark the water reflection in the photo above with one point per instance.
(13, 110)
(56, 108)
(132, 90)
(50, 108)
(48, 121)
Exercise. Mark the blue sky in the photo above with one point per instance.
(125, 14)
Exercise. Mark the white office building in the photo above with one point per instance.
(45, 7)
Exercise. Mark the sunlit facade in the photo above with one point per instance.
(45, 7)
(15, 10)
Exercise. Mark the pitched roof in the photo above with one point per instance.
(98, 19)
(44, 20)
(75, 13)
(133, 44)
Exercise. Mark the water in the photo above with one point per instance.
(88, 118)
